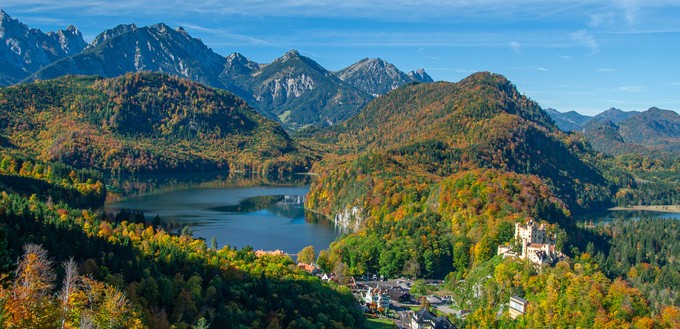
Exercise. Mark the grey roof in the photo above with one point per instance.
(439, 322)
(519, 299)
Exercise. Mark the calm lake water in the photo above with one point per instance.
(610, 215)
(237, 209)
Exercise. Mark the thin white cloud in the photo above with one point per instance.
(223, 33)
(44, 20)
(583, 37)
(528, 68)
(599, 20)
(631, 89)
(383, 9)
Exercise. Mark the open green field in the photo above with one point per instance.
(378, 323)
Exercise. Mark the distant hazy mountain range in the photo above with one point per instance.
(293, 89)
(617, 132)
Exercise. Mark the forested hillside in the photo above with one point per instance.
(433, 177)
(143, 122)
(448, 169)
(480, 122)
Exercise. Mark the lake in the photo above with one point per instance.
(610, 215)
(237, 209)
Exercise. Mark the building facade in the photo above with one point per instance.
(536, 244)
(517, 306)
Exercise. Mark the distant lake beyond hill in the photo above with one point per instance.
(610, 215)
(237, 209)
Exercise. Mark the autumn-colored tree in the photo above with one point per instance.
(29, 302)
(323, 261)
(307, 255)
(82, 302)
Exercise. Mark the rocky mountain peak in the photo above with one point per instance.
(378, 65)
(374, 76)
(128, 48)
(70, 40)
(374, 62)
(183, 31)
(161, 28)
(239, 64)
(3, 15)
(24, 50)
(420, 75)
(11, 25)
(235, 57)
(112, 33)
(291, 54)
(239, 58)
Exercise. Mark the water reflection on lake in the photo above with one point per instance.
(237, 209)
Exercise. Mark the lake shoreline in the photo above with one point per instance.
(667, 208)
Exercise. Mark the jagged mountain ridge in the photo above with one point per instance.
(24, 50)
(420, 75)
(293, 89)
(128, 48)
(378, 77)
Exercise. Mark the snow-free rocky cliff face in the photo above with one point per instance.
(24, 51)
(378, 77)
(374, 76)
(127, 48)
(420, 75)
(299, 91)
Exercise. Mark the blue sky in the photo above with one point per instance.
(577, 55)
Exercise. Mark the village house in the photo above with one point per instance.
(424, 319)
(377, 296)
(311, 268)
(517, 306)
(399, 295)
(326, 277)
